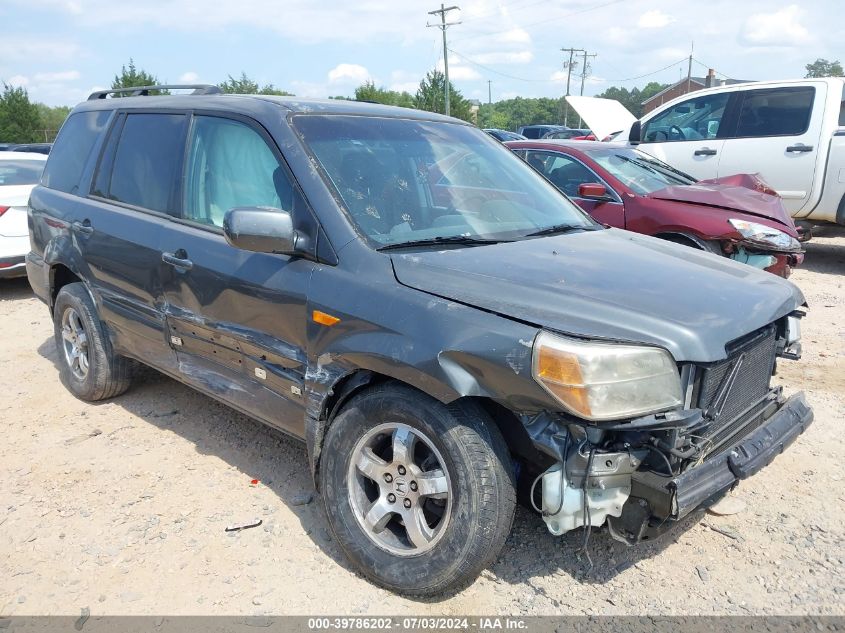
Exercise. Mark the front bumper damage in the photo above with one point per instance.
(638, 501)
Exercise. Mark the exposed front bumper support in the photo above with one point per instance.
(672, 498)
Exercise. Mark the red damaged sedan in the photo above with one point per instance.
(737, 216)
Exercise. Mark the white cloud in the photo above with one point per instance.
(515, 36)
(457, 72)
(558, 75)
(504, 57)
(30, 49)
(348, 73)
(19, 81)
(655, 19)
(58, 77)
(781, 28)
(189, 77)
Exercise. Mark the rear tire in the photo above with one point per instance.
(89, 368)
(445, 471)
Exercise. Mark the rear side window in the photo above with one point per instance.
(71, 150)
(147, 161)
(842, 109)
(775, 112)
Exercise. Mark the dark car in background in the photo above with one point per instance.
(570, 133)
(313, 264)
(36, 148)
(539, 131)
(737, 216)
(504, 135)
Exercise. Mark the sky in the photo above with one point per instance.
(61, 50)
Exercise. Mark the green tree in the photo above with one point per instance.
(131, 77)
(369, 92)
(246, 86)
(19, 121)
(633, 99)
(431, 97)
(51, 119)
(823, 68)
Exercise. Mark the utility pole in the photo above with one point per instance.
(489, 93)
(568, 66)
(584, 69)
(442, 11)
(689, 68)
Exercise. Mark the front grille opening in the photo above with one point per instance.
(751, 383)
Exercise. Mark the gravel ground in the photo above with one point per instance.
(121, 506)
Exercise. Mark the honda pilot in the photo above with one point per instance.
(433, 318)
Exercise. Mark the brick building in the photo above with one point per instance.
(684, 86)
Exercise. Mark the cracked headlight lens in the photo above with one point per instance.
(602, 381)
(762, 234)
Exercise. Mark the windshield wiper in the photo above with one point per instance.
(561, 228)
(437, 241)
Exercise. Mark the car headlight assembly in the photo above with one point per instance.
(605, 381)
(765, 235)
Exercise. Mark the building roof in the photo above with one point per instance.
(701, 81)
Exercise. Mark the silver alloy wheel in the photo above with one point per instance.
(75, 343)
(399, 489)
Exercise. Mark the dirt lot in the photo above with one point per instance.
(121, 506)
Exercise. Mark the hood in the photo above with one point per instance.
(602, 116)
(722, 193)
(609, 284)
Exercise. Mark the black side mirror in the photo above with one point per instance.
(260, 229)
(635, 133)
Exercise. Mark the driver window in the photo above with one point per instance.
(230, 165)
(692, 120)
(564, 172)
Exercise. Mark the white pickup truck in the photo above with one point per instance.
(792, 133)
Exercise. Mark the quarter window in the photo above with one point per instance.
(776, 112)
(692, 120)
(231, 165)
(147, 162)
(70, 153)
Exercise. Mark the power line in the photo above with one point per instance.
(559, 17)
(496, 72)
(680, 61)
(708, 67)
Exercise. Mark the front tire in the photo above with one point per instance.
(89, 368)
(419, 495)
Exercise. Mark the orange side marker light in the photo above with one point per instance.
(324, 319)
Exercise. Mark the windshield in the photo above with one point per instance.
(639, 171)
(406, 181)
(20, 172)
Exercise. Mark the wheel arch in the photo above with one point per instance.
(61, 276)
(346, 387)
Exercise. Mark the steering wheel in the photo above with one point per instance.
(676, 130)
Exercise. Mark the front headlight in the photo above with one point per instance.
(762, 234)
(601, 381)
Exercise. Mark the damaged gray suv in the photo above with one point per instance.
(428, 313)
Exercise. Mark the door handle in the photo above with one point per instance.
(83, 227)
(179, 259)
(799, 148)
(705, 151)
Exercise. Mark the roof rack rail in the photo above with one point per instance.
(144, 91)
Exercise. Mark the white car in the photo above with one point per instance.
(791, 132)
(19, 173)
